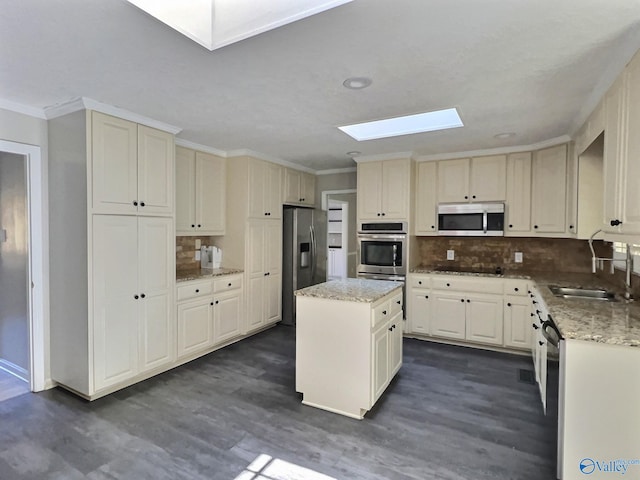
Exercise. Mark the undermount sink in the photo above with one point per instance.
(585, 293)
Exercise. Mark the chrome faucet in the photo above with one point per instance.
(598, 261)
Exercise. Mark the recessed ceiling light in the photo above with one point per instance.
(502, 136)
(357, 83)
(354, 153)
(393, 127)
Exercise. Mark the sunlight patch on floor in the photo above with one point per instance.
(265, 467)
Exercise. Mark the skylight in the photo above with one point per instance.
(394, 127)
(216, 23)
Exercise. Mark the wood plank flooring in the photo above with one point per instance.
(11, 386)
(452, 413)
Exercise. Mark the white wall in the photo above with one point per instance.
(14, 262)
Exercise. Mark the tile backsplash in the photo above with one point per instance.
(186, 249)
(539, 254)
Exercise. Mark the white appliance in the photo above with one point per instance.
(210, 257)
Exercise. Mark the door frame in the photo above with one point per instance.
(38, 275)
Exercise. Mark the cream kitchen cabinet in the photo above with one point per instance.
(621, 153)
(299, 187)
(517, 315)
(549, 191)
(133, 275)
(419, 305)
(383, 190)
(426, 222)
(200, 193)
(448, 315)
(132, 167)
(518, 204)
(264, 189)
(209, 314)
(478, 179)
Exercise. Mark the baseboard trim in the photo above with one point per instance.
(14, 370)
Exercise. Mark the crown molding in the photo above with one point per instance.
(268, 158)
(552, 142)
(84, 103)
(382, 156)
(333, 171)
(181, 142)
(21, 108)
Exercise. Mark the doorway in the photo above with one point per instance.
(337, 239)
(23, 265)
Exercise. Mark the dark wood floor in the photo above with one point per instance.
(452, 413)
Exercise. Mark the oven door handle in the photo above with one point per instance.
(484, 221)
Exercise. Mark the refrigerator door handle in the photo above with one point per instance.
(312, 234)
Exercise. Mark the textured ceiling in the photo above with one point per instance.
(533, 67)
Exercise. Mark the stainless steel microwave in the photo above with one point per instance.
(471, 219)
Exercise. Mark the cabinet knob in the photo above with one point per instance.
(384, 312)
(532, 314)
(516, 289)
(217, 302)
(473, 196)
(510, 225)
(136, 297)
(462, 300)
(193, 226)
(211, 304)
(448, 284)
(390, 329)
(571, 227)
(534, 325)
(398, 302)
(383, 214)
(135, 204)
(468, 301)
(615, 223)
(229, 284)
(142, 204)
(466, 197)
(535, 226)
(419, 282)
(378, 214)
(199, 225)
(426, 296)
(142, 295)
(433, 226)
(197, 290)
(540, 342)
(508, 304)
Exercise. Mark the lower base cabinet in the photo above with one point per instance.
(209, 313)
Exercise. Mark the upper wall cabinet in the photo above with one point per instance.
(426, 199)
(132, 167)
(549, 190)
(478, 179)
(622, 153)
(299, 187)
(265, 189)
(518, 205)
(383, 190)
(200, 193)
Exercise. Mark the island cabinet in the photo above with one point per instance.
(348, 343)
(112, 304)
(200, 193)
(621, 153)
(383, 190)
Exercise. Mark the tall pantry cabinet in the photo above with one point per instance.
(253, 239)
(112, 238)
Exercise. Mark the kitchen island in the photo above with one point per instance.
(348, 343)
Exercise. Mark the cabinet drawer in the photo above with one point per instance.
(195, 289)
(396, 304)
(381, 313)
(516, 287)
(227, 283)
(476, 285)
(420, 281)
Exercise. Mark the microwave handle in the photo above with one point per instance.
(484, 221)
(395, 254)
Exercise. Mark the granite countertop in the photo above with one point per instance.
(186, 275)
(613, 323)
(351, 290)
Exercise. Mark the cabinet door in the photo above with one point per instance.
(156, 166)
(255, 249)
(484, 319)
(272, 246)
(185, 191)
(631, 156)
(273, 190)
(488, 178)
(395, 345)
(195, 331)
(227, 313)
(549, 192)
(448, 315)
(420, 311)
(114, 163)
(156, 273)
(518, 204)
(255, 298)
(257, 186)
(453, 180)
(395, 189)
(612, 152)
(292, 183)
(308, 189)
(426, 199)
(381, 361)
(517, 322)
(210, 194)
(369, 190)
(115, 307)
(273, 293)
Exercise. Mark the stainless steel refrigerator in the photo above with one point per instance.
(299, 255)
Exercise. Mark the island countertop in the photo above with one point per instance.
(351, 290)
